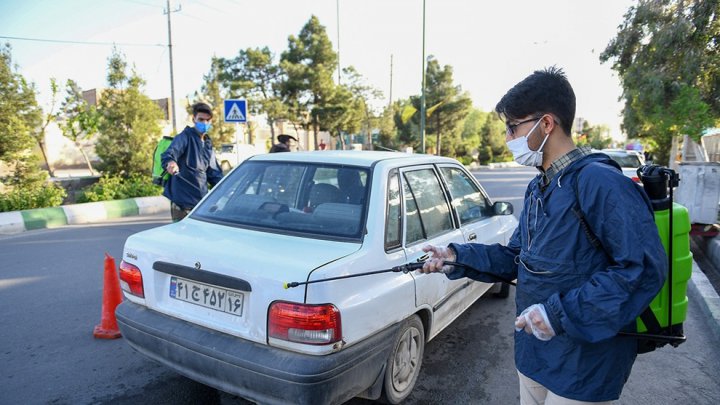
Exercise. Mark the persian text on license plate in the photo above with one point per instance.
(207, 296)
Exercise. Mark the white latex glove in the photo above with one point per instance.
(534, 320)
(172, 168)
(435, 263)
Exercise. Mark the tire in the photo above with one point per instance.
(504, 291)
(403, 365)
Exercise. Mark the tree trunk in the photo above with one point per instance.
(342, 140)
(87, 160)
(437, 128)
(316, 129)
(272, 131)
(673, 153)
(251, 132)
(41, 144)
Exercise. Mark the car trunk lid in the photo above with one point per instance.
(224, 277)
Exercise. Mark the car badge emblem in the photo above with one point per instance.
(198, 265)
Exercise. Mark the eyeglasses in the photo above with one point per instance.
(510, 128)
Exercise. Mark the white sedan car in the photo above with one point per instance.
(237, 295)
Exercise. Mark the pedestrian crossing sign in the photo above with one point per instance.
(235, 110)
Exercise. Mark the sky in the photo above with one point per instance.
(491, 45)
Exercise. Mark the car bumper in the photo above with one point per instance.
(251, 370)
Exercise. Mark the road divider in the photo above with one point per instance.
(20, 221)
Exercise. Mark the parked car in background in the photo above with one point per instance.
(629, 161)
(230, 154)
(212, 297)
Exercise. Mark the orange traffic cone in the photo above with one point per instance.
(112, 297)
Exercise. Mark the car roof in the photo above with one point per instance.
(352, 157)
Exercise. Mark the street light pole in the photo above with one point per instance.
(422, 96)
(337, 10)
(172, 80)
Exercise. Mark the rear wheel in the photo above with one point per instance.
(403, 365)
(504, 291)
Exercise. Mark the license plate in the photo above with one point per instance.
(208, 296)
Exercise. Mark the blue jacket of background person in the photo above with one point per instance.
(198, 167)
(589, 298)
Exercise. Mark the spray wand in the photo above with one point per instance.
(405, 268)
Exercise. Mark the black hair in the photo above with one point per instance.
(201, 108)
(544, 91)
(283, 138)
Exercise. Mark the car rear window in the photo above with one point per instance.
(313, 199)
(625, 160)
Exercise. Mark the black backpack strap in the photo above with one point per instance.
(577, 210)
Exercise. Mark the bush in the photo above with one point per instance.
(465, 160)
(37, 195)
(118, 188)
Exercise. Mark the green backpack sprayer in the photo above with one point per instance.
(661, 322)
(159, 175)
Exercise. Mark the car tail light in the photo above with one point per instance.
(636, 179)
(131, 279)
(303, 323)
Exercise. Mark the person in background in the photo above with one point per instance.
(573, 296)
(190, 160)
(283, 144)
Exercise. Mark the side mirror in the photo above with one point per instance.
(502, 208)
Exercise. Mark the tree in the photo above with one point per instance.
(39, 133)
(492, 140)
(254, 75)
(78, 120)
(212, 92)
(19, 117)
(309, 63)
(388, 132)
(448, 107)
(595, 136)
(343, 111)
(129, 126)
(666, 54)
(364, 96)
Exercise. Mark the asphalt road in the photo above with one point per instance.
(51, 293)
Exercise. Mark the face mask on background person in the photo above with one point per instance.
(202, 127)
(522, 153)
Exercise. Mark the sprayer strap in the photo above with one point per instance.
(650, 320)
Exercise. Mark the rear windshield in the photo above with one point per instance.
(626, 160)
(321, 200)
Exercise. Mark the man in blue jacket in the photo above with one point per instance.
(190, 160)
(572, 298)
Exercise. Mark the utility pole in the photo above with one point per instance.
(422, 97)
(337, 9)
(172, 80)
(391, 74)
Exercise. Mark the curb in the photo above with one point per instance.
(20, 221)
(709, 300)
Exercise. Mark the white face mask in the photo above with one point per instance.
(521, 151)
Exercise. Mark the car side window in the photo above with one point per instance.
(393, 223)
(426, 210)
(467, 199)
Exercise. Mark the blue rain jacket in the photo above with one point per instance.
(589, 297)
(198, 167)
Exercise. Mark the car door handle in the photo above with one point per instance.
(472, 236)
